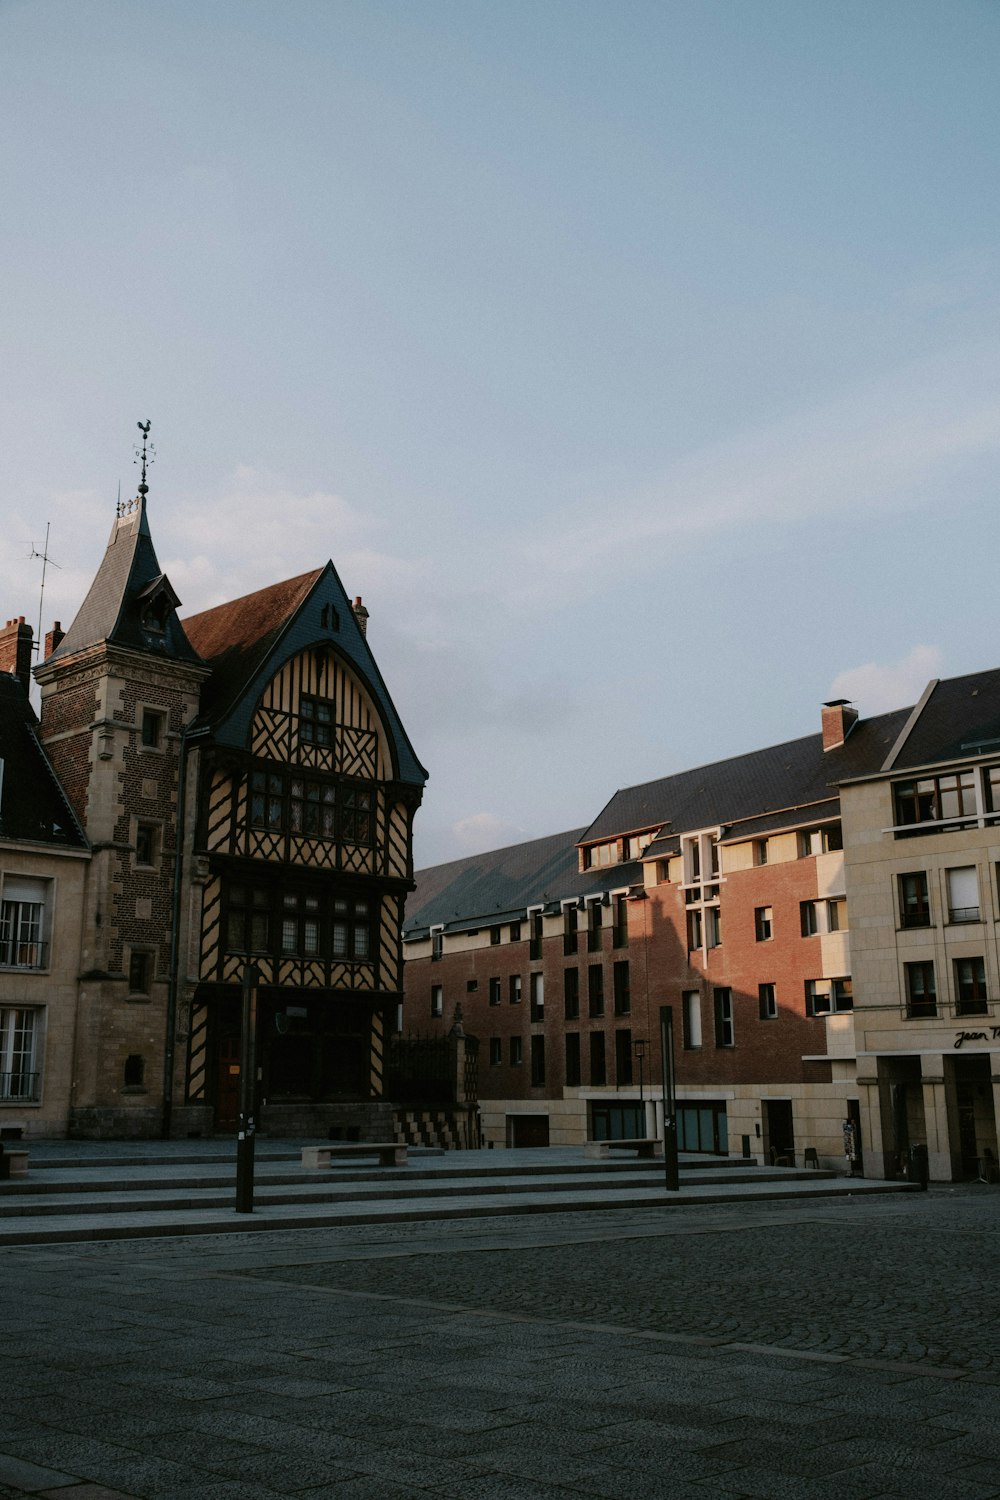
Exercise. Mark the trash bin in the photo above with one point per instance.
(919, 1171)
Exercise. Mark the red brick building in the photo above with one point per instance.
(718, 892)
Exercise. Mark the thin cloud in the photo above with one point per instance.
(877, 687)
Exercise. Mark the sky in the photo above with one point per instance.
(637, 361)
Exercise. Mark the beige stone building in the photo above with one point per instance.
(922, 846)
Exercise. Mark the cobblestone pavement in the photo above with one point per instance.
(830, 1351)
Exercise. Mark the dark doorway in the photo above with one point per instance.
(227, 1081)
(528, 1130)
(779, 1131)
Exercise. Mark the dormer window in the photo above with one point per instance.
(155, 604)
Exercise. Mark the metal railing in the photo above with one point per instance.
(20, 1086)
(19, 955)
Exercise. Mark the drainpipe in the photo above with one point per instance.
(187, 740)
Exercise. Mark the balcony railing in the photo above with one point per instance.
(963, 914)
(18, 955)
(23, 1087)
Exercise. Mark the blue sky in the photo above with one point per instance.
(637, 362)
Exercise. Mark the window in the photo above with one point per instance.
(515, 932)
(970, 987)
(495, 991)
(437, 943)
(623, 996)
(623, 1058)
(619, 931)
(536, 996)
(494, 936)
(19, 1035)
(963, 894)
(535, 936)
(134, 1072)
(569, 929)
(694, 929)
(936, 799)
(724, 1033)
(537, 1062)
(598, 1067)
(914, 907)
(140, 971)
(514, 989)
(691, 1018)
(767, 1002)
(152, 724)
(571, 994)
(24, 923)
(267, 793)
(763, 920)
(595, 922)
(315, 721)
(713, 926)
(351, 929)
(809, 918)
(437, 1000)
(836, 914)
(595, 989)
(600, 854)
(248, 920)
(820, 840)
(147, 843)
(355, 821)
(471, 986)
(824, 996)
(300, 914)
(921, 989)
(572, 1059)
(516, 1052)
(760, 851)
(496, 1051)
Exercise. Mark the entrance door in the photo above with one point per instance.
(227, 1082)
(528, 1130)
(779, 1134)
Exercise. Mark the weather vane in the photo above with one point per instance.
(145, 455)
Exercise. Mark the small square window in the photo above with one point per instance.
(146, 844)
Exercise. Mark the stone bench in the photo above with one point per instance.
(388, 1152)
(13, 1163)
(649, 1146)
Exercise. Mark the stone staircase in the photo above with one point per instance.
(110, 1190)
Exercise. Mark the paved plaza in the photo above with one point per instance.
(831, 1350)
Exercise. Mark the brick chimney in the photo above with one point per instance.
(15, 650)
(361, 615)
(839, 718)
(53, 639)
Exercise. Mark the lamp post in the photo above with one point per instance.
(669, 1092)
(248, 1091)
(639, 1047)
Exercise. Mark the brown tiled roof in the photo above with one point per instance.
(235, 638)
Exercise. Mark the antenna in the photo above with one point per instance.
(46, 560)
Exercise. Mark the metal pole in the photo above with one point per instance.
(248, 1092)
(640, 1053)
(670, 1165)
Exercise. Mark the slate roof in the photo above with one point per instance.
(961, 717)
(775, 780)
(32, 806)
(112, 610)
(499, 885)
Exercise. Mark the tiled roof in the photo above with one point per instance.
(236, 638)
(113, 608)
(776, 779)
(32, 805)
(500, 884)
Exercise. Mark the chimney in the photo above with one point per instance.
(53, 640)
(839, 718)
(15, 650)
(361, 615)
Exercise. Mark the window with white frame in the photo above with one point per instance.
(20, 1028)
(701, 868)
(825, 996)
(24, 922)
(691, 1014)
